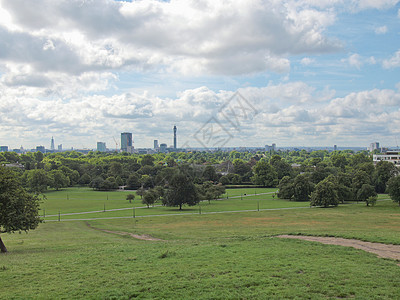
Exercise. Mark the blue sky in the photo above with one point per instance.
(312, 73)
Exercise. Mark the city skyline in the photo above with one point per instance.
(227, 73)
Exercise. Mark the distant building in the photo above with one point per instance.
(373, 146)
(163, 148)
(334, 147)
(155, 144)
(270, 148)
(175, 137)
(52, 148)
(40, 149)
(59, 147)
(101, 146)
(3, 148)
(390, 156)
(126, 141)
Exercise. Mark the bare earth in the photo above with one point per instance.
(382, 250)
(144, 237)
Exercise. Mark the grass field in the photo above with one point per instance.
(217, 256)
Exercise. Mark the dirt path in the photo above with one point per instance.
(144, 237)
(382, 250)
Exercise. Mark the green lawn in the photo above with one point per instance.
(217, 256)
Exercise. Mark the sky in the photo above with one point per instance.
(227, 73)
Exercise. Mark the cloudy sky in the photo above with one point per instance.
(225, 72)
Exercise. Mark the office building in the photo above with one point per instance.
(270, 148)
(373, 146)
(155, 144)
(59, 147)
(40, 149)
(126, 141)
(163, 148)
(334, 147)
(390, 156)
(101, 146)
(52, 148)
(3, 148)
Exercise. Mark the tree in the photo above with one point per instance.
(264, 174)
(209, 174)
(393, 189)
(286, 188)
(133, 181)
(58, 179)
(147, 160)
(181, 190)
(324, 194)
(302, 187)
(210, 191)
(366, 191)
(130, 197)
(37, 180)
(149, 198)
(384, 170)
(18, 209)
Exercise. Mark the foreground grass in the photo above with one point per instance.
(206, 256)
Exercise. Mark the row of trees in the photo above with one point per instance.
(324, 185)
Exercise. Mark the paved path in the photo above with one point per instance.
(181, 214)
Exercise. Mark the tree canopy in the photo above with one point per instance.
(18, 209)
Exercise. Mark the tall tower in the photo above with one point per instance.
(52, 144)
(174, 137)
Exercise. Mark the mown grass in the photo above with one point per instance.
(221, 256)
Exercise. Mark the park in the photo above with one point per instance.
(95, 244)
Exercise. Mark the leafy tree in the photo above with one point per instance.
(37, 180)
(130, 197)
(181, 190)
(372, 200)
(365, 192)
(324, 194)
(224, 180)
(281, 167)
(141, 192)
(302, 187)
(286, 188)
(18, 209)
(58, 179)
(384, 170)
(209, 191)
(359, 179)
(209, 174)
(241, 167)
(149, 198)
(85, 179)
(264, 174)
(339, 161)
(147, 160)
(393, 188)
(133, 181)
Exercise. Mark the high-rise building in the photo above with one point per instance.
(155, 144)
(59, 147)
(3, 148)
(40, 149)
(174, 137)
(373, 146)
(334, 147)
(126, 141)
(270, 148)
(52, 144)
(101, 146)
(163, 148)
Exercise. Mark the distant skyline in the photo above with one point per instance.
(308, 73)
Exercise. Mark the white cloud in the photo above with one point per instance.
(306, 61)
(381, 30)
(354, 60)
(393, 62)
(230, 37)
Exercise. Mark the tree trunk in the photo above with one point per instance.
(3, 248)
